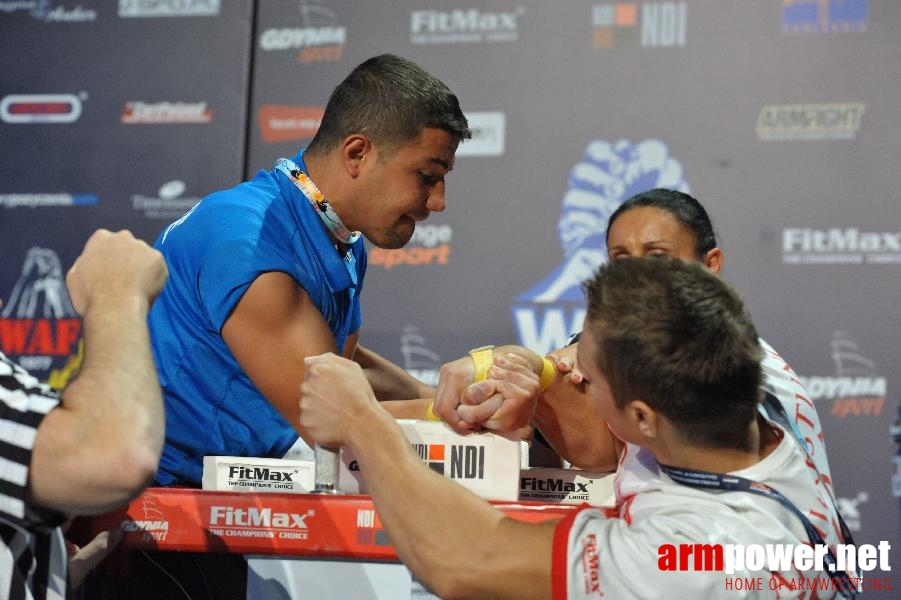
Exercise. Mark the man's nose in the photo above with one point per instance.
(436, 198)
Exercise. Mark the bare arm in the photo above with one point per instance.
(388, 380)
(101, 446)
(458, 545)
(272, 329)
(569, 421)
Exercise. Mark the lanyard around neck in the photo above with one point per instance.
(323, 207)
(328, 215)
(734, 483)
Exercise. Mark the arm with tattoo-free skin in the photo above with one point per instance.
(569, 421)
(457, 544)
(101, 445)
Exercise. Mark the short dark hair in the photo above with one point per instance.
(673, 334)
(683, 207)
(391, 100)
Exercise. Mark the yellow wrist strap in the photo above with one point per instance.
(548, 372)
(481, 361)
(430, 413)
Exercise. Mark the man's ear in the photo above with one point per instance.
(713, 260)
(643, 419)
(353, 152)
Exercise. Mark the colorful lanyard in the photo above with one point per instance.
(328, 215)
(331, 219)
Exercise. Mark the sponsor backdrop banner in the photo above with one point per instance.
(780, 116)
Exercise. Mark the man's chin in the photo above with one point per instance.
(391, 242)
(394, 238)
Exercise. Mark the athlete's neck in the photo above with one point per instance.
(762, 440)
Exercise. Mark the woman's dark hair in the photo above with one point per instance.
(684, 208)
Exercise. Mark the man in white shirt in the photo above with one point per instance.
(672, 363)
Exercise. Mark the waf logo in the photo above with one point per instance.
(455, 461)
(546, 315)
(280, 123)
(655, 24)
(855, 390)
(40, 108)
(824, 16)
(429, 245)
(38, 324)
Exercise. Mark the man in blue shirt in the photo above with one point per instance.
(270, 271)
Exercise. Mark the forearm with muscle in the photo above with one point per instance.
(101, 446)
(388, 380)
(454, 542)
(569, 421)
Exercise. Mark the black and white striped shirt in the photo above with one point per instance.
(33, 558)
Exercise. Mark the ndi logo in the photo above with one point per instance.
(546, 315)
(659, 24)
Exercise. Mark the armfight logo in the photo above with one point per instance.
(429, 245)
(855, 390)
(827, 121)
(656, 24)
(48, 11)
(319, 39)
(546, 315)
(39, 327)
(824, 16)
(840, 246)
(464, 26)
(418, 359)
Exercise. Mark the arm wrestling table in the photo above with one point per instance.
(297, 542)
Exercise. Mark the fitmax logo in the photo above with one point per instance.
(463, 21)
(256, 517)
(552, 485)
(260, 474)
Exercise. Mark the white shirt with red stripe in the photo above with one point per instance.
(599, 557)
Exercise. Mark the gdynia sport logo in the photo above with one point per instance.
(790, 566)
